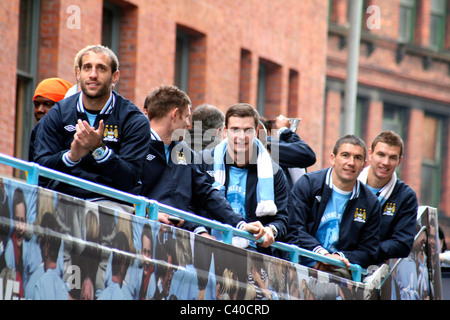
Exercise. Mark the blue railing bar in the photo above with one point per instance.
(34, 171)
(296, 251)
(357, 271)
(228, 230)
(424, 228)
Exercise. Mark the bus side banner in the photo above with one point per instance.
(57, 247)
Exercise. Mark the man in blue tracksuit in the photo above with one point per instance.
(169, 175)
(337, 215)
(398, 201)
(237, 168)
(288, 150)
(96, 134)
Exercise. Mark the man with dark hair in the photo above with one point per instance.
(47, 93)
(243, 171)
(96, 134)
(398, 201)
(119, 266)
(50, 285)
(338, 216)
(17, 247)
(207, 127)
(142, 284)
(170, 176)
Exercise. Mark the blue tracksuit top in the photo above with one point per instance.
(398, 222)
(126, 134)
(290, 151)
(359, 234)
(281, 190)
(179, 184)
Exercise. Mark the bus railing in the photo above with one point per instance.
(149, 208)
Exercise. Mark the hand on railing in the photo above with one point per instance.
(323, 266)
(255, 228)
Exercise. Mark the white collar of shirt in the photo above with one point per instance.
(154, 135)
(107, 108)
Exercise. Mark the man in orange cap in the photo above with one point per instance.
(48, 92)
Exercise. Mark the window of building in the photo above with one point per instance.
(437, 23)
(407, 21)
(395, 119)
(262, 85)
(111, 29)
(431, 164)
(182, 60)
(190, 63)
(269, 89)
(110, 26)
(26, 74)
(361, 114)
(245, 76)
(293, 94)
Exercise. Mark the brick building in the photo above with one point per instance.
(403, 84)
(284, 57)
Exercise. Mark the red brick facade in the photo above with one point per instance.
(413, 76)
(278, 33)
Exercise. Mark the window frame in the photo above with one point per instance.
(411, 7)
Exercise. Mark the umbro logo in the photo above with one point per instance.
(70, 128)
(150, 157)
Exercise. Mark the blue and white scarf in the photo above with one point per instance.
(384, 192)
(265, 187)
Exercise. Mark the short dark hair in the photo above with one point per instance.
(18, 198)
(351, 139)
(390, 138)
(162, 99)
(242, 110)
(49, 223)
(210, 116)
(121, 255)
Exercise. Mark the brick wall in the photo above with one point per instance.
(403, 75)
(9, 29)
(230, 39)
(290, 34)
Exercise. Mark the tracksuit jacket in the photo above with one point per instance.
(398, 222)
(359, 234)
(126, 135)
(280, 220)
(290, 151)
(179, 184)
